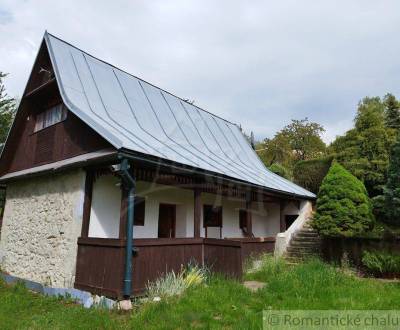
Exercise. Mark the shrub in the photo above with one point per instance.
(343, 207)
(174, 284)
(280, 170)
(310, 173)
(380, 263)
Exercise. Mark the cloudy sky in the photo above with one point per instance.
(256, 63)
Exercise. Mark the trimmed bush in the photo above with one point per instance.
(310, 173)
(280, 170)
(343, 207)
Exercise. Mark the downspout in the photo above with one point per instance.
(128, 183)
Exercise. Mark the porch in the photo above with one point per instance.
(176, 221)
(100, 265)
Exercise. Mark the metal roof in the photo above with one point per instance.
(133, 114)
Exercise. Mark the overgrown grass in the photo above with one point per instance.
(221, 303)
(21, 309)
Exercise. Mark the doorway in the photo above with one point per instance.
(166, 221)
(289, 219)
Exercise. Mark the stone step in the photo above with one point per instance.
(306, 241)
(305, 249)
(305, 235)
(301, 255)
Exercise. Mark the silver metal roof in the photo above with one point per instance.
(133, 114)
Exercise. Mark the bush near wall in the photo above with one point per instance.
(310, 173)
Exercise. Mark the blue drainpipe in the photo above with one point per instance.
(129, 183)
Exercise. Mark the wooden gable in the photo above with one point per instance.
(26, 148)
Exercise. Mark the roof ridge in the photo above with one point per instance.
(145, 81)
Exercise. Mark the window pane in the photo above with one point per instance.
(39, 121)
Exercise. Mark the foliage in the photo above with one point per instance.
(172, 284)
(7, 110)
(310, 173)
(280, 170)
(343, 207)
(381, 262)
(364, 150)
(392, 111)
(300, 140)
(388, 205)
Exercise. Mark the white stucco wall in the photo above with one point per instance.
(106, 206)
(42, 221)
(106, 203)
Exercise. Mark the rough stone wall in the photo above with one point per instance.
(42, 221)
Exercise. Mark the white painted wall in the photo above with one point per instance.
(106, 205)
(105, 214)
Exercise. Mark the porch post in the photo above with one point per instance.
(249, 223)
(87, 203)
(282, 216)
(197, 212)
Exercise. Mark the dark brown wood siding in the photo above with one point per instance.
(69, 138)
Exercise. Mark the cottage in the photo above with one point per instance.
(112, 181)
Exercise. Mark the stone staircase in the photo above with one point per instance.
(304, 244)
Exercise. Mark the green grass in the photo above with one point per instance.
(221, 304)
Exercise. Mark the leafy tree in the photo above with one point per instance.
(392, 111)
(280, 170)
(365, 150)
(300, 140)
(7, 110)
(391, 191)
(343, 206)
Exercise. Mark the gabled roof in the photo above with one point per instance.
(135, 115)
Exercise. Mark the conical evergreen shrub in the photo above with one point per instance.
(343, 206)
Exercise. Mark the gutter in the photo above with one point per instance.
(128, 183)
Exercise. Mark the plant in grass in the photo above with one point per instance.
(174, 284)
(380, 263)
(343, 207)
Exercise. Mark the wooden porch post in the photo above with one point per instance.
(197, 212)
(282, 216)
(249, 223)
(87, 203)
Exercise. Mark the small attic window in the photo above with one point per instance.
(51, 116)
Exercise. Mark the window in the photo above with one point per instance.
(139, 211)
(242, 219)
(212, 216)
(50, 117)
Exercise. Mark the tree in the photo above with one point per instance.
(300, 140)
(392, 111)
(391, 191)
(7, 111)
(343, 206)
(365, 150)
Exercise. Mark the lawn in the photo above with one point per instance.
(220, 304)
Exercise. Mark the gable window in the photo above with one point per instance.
(139, 211)
(51, 116)
(212, 216)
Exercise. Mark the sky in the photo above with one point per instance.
(256, 63)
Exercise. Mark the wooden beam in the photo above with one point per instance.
(87, 204)
(122, 213)
(197, 212)
(282, 221)
(249, 220)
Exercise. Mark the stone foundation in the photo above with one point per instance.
(42, 221)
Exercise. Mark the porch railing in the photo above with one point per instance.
(100, 261)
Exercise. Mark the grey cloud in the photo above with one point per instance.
(257, 63)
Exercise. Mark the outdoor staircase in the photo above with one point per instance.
(304, 244)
